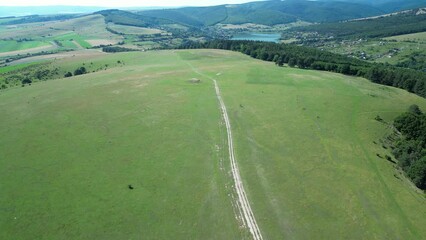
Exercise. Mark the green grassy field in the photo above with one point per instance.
(134, 30)
(380, 51)
(304, 143)
(69, 37)
(8, 46)
(418, 37)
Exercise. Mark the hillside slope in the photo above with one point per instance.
(306, 143)
(267, 12)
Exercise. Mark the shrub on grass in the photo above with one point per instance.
(80, 71)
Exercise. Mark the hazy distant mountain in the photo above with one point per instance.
(388, 5)
(6, 11)
(262, 12)
(44, 10)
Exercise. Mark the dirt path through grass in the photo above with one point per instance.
(243, 203)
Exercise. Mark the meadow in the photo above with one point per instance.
(9, 46)
(418, 37)
(131, 30)
(389, 50)
(305, 141)
(77, 33)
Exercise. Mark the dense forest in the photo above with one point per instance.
(312, 58)
(410, 149)
(265, 12)
(404, 23)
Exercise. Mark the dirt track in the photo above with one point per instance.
(242, 197)
(243, 203)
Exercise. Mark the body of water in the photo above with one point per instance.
(266, 37)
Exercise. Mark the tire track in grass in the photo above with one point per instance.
(243, 203)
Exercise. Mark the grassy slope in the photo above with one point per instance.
(313, 173)
(304, 143)
(419, 37)
(133, 30)
(69, 37)
(74, 145)
(8, 46)
(380, 51)
(90, 27)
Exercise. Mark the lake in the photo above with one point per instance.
(266, 37)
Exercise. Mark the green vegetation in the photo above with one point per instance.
(311, 58)
(12, 76)
(264, 12)
(403, 23)
(123, 29)
(71, 37)
(12, 45)
(417, 37)
(303, 141)
(117, 49)
(410, 148)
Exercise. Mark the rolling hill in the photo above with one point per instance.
(306, 143)
(267, 13)
(406, 22)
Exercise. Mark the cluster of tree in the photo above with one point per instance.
(78, 71)
(410, 149)
(416, 60)
(113, 31)
(27, 75)
(114, 49)
(312, 58)
(404, 23)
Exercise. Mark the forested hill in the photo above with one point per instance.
(389, 5)
(266, 12)
(406, 22)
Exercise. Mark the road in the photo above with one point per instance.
(244, 204)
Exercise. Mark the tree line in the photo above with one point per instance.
(398, 24)
(316, 59)
(410, 149)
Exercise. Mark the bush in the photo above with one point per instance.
(68, 74)
(417, 173)
(26, 81)
(80, 71)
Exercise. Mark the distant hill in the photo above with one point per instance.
(6, 11)
(262, 12)
(266, 12)
(410, 21)
(388, 5)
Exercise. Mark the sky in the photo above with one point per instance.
(119, 3)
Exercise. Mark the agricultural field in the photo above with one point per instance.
(72, 34)
(72, 38)
(306, 143)
(131, 30)
(9, 46)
